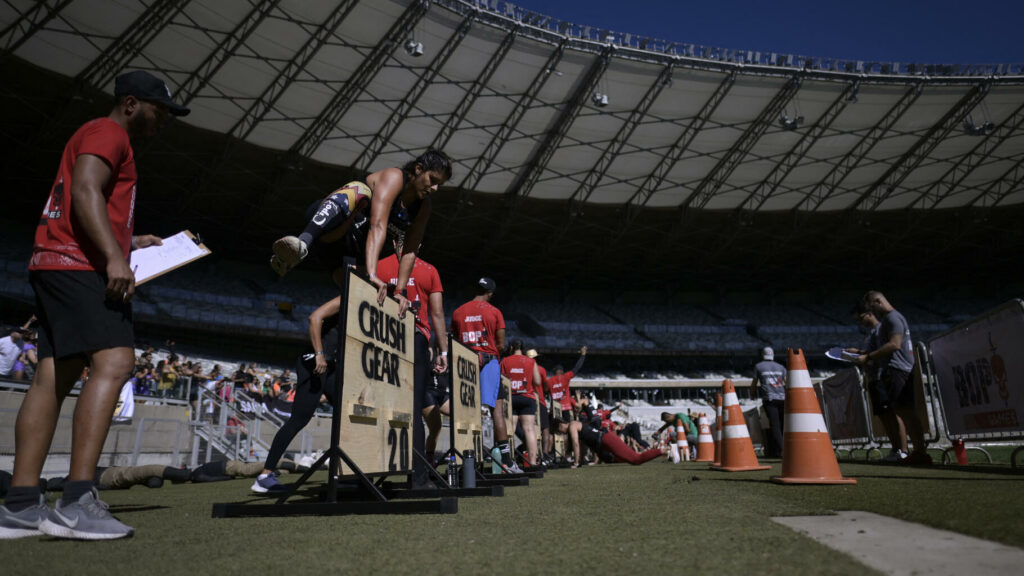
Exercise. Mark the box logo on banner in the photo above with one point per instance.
(979, 378)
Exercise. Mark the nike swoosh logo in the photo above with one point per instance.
(25, 523)
(71, 523)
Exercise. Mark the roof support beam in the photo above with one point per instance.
(227, 47)
(711, 183)
(328, 118)
(527, 178)
(542, 154)
(885, 186)
(652, 183)
(1001, 187)
(781, 170)
(298, 62)
(526, 100)
(466, 102)
(416, 91)
(829, 185)
(131, 43)
(614, 147)
(105, 67)
(965, 165)
(260, 107)
(28, 23)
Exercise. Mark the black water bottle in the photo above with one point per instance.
(469, 469)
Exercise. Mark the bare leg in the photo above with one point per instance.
(108, 373)
(914, 428)
(531, 438)
(574, 436)
(432, 416)
(37, 418)
(498, 414)
(895, 430)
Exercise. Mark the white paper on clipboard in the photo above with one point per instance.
(176, 251)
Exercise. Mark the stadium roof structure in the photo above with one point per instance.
(581, 156)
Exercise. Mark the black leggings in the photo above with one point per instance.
(308, 388)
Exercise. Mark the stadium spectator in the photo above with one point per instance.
(481, 327)
(25, 366)
(689, 426)
(426, 295)
(398, 202)
(895, 391)
(317, 376)
(83, 283)
(524, 380)
(769, 383)
(11, 348)
(872, 377)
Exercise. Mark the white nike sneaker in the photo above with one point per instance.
(86, 519)
(24, 522)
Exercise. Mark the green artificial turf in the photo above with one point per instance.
(594, 520)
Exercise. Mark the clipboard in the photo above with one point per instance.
(838, 353)
(155, 261)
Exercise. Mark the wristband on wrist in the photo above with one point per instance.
(320, 353)
(444, 354)
(404, 292)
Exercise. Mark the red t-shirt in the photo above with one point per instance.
(59, 243)
(475, 323)
(559, 386)
(543, 385)
(423, 282)
(519, 370)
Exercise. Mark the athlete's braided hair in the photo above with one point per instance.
(430, 160)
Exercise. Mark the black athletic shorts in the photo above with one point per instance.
(523, 405)
(545, 418)
(566, 416)
(895, 389)
(436, 393)
(75, 317)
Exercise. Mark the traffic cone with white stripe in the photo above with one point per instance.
(736, 448)
(807, 453)
(718, 429)
(705, 443)
(671, 444)
(681, 443)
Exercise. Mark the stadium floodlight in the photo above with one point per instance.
(413, 48)
(600, 100)
(790, 123)
(972, 129)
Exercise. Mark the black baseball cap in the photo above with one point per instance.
(487, 284)
(145, 86)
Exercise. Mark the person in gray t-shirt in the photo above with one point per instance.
(770, 383)
(895, 399)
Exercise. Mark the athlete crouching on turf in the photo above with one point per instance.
(608, 447)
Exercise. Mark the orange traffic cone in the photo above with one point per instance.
(807, 453)
(681, 443)
(718, 430)
(705, 444)
(736, 448)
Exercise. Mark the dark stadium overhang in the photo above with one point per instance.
(688, 171)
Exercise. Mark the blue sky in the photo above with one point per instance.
(934, 31)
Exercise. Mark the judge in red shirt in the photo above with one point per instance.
(84, 283)
(427, 301)
(524, 378)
